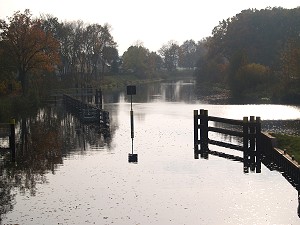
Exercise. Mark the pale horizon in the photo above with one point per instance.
(153, 23)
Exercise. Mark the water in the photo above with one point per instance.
(80, 176)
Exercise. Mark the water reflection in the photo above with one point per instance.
(253, 162)
(167, 186)
(42, 142)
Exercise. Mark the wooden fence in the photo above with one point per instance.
(247, 129)
(257, 146)
(86, 112)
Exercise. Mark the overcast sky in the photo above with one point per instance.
(153, 22)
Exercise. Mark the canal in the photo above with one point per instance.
(67, 172)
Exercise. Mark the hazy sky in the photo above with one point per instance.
(153, 22)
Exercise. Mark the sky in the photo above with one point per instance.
(153, 23)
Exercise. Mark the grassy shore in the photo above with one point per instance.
(290, 143)
(122, 80)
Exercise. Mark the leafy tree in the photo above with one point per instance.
(140, 61)
(209, 67)
(236, 62)
(188, 54)
(170, 55)
(135, 60)
(251, 77)
(111, 56)
(260, 33)
(29, 46)
(98, 38)
(289, 75)
(290, 61)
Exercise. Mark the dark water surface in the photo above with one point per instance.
(70, 173)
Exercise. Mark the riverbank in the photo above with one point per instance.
(109, 82)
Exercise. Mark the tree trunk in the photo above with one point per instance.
(24, 82)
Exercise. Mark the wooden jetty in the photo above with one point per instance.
(86, 112)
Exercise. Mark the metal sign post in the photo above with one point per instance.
(132, 158)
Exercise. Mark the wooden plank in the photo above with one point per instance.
(224, 120)
(226, 145)
(226, 131)
(226, 156)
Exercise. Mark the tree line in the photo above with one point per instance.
(35, 52)
(37, 49)
(256, 53)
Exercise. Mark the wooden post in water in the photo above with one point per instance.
(196, 134)
(205, 133)
(12, 140)
(201, 132)
(258, 145)
(252, 136)
(99, 98)
(245, 145)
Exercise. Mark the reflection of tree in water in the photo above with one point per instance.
(6, 189)
(42, 142)
(77, 136)
(38, 151)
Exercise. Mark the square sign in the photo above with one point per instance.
(131, 90)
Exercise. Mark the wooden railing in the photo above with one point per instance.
(256, 146)
(247, 129)
(86, 112)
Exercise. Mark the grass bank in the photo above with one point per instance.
(122, 80)
(116, 81)
(289, 143)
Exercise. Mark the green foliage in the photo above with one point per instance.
(140, 61)
(188, 54)
(210, 69)
(251, 77)
(259, 53)
(260, 33)
(170, 55)
(29, 48)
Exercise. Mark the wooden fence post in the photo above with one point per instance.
(98, 98)
(201, 132)
(252, 136)
(196, 134)
(245, 144)
(204, 146)
(12, 140)
(258, 145)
